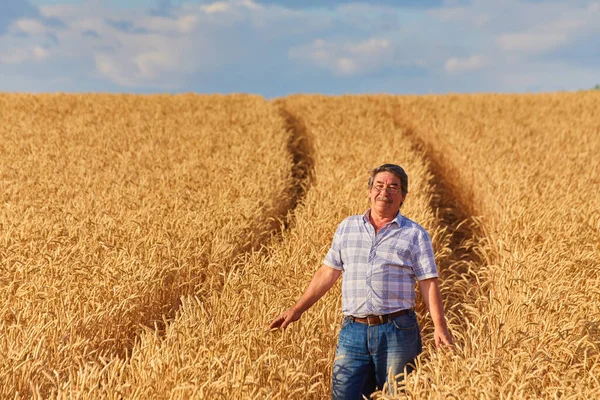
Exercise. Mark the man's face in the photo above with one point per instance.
(386, 201)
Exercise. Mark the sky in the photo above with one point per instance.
(276, 48)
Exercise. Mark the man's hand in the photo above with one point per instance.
(320, 283)
(285, 318)
(442, 337)
(430, 292)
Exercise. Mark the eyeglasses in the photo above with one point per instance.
(389, 189)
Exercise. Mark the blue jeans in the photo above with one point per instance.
(366, 353)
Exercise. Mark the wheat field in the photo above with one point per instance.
(113, 207)
(529, 165)
(148, 241)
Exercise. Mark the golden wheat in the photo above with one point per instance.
(139, 262)
(217, 347)
(113, 207)
(529, 166)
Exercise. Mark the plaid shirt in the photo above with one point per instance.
(379, 271)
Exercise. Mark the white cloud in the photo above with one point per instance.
(531, 42)
(15, 57)
(158, 52)
(204, 42)
(172, 27)
(370, 47)
(250, 4)
(30, 26)
(107, 67)
(148, 59)
(22, 55)
(65, 10)
(217, 7)
(461, 15)
(536, 76)
(187, 23)
(193, 39)
(348, 58)
(39, 53)
(455, 64)
(153, 63)
(142, 69)
(345, 66)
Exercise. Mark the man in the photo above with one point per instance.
(380, 254)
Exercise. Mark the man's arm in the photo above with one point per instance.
(430, 292)
(321, 282)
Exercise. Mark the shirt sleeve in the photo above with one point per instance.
(424, 260)
(333, 258)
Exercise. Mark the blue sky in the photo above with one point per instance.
(275, 48)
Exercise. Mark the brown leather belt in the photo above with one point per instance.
(379, 319)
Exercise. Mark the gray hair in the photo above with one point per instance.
(394, 169)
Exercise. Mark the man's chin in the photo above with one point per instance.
(384, 207)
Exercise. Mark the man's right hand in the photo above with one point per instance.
(285, 318)
(320, 283)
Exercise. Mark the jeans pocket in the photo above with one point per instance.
(405, 322)
(345, 322)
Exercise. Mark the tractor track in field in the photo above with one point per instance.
(299, 146)
(282, 218)
(454, 214)
(454, 210)
(462, 263)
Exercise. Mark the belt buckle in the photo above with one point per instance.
(379, 317)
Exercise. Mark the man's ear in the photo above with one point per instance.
(403, 200)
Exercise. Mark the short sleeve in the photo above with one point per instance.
(333, 258)
(424, 261)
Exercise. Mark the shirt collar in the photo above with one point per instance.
(397, 219)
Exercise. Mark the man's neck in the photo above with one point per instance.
(380, 220)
